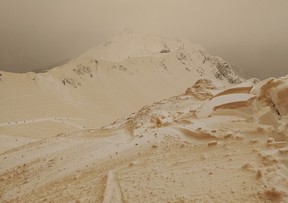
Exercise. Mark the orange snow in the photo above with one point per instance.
(218, 142)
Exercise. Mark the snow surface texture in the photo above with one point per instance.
(162, 149)
(217, 142)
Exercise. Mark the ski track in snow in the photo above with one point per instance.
(51, 119)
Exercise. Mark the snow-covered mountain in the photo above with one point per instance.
(224, 139)
(108, 82)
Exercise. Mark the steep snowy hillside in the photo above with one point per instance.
(111, 81)
(211, 144)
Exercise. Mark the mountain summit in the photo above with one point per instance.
(130, 44)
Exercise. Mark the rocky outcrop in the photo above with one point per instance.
(223, 69)
(202, 89)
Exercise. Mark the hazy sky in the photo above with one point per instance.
(251, 34)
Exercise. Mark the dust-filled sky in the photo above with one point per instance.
(251, 34)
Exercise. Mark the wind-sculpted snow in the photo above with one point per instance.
(229, 101)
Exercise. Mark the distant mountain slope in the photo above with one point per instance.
(111, 81)
(48, 67)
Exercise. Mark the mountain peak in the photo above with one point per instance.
(131, 44)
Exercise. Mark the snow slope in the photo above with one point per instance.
(164, 153)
